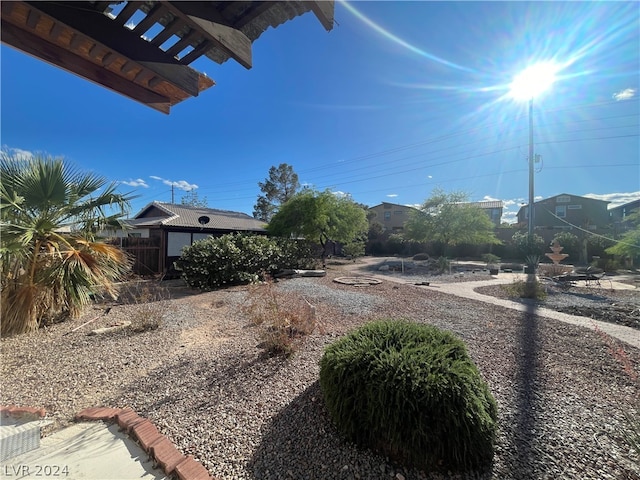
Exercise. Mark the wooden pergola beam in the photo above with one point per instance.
(63, 58)
(323, 11)
(123, 41)
(232, 41)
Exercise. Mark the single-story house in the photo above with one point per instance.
(156, 235)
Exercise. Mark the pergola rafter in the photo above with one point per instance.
(87, 39)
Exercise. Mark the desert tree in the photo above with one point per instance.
(280, 186)
(192, 199)
(450, 219)
(628, 245)
(320, 217)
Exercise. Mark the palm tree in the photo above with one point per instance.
(51, 262)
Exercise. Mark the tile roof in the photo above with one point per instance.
(490, 204)
(189, 217)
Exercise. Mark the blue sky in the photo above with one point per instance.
(398, 99)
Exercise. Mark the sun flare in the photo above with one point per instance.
(533, 80)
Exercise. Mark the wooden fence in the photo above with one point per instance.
(145, 253)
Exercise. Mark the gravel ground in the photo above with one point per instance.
(598, 302)
(206, 383)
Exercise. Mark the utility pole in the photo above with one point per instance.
(172, 194)
(531, 172)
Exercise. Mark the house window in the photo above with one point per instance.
(561, 211)
(563, 199)
(134, 235)
(574, 207)
(387, 215)
(175, 242)
(398, 212)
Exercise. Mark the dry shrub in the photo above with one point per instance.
(526, 289)
(148, 301)
(285, 320)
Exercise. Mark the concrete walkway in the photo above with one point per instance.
(465, 289)
(628, 335)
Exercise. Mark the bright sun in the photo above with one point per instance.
(533, 80)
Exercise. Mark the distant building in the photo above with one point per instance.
(493, 209)
(621, 212)
(391, 216)
(620, 217)
(566, 212)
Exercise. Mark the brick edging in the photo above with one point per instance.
(20, 412)
(156, 445)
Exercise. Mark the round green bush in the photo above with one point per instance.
(411, 392)
(239, 258)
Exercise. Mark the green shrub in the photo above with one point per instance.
(296, 254)
(443, 264)
(490, 258)
(354, 249)
(410, 391)
(238, 259)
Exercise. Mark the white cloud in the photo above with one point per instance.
(17, 153)
(509, 217)
(181, 184)
(616, 199)
(392, 195)
(138, 182)
(429, 176)
(340, 194)
(489, 198)
(625, 94)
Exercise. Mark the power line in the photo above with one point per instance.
(589, 231)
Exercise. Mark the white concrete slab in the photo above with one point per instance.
(92, 450)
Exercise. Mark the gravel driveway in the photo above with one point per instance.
(205, 382)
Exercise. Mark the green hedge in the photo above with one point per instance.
(239, 258)
(410, 391)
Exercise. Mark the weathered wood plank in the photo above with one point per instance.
(250, 14)
(183, 43)
(166, 33)
(126, 13)
(76, 41)
(324, 11)
(235, 43)
(32, 19)
(147, 22)
(56, 30)
(197, 52)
